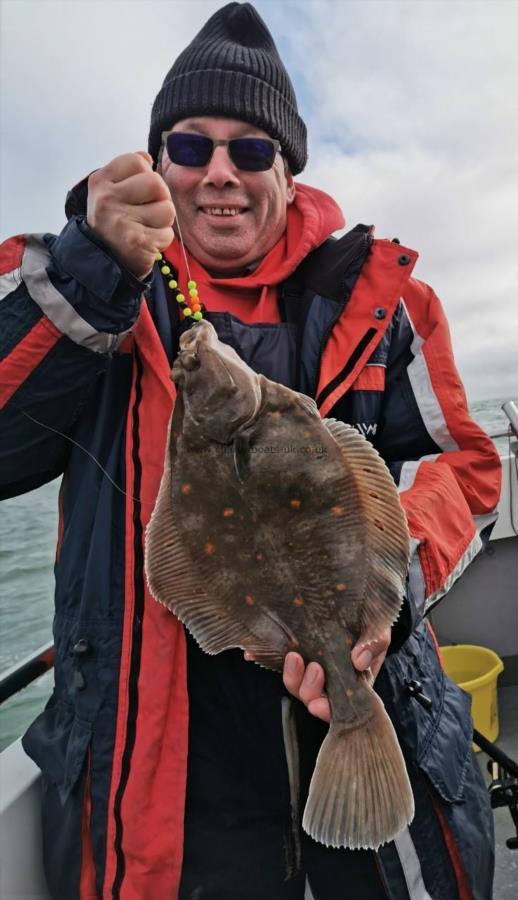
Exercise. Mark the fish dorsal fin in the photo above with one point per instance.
(388, 540)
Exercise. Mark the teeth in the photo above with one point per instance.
(218, 211)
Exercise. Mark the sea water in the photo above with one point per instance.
(28, 531)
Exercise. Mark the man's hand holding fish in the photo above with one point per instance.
(308, 683)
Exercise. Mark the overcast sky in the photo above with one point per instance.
(411, 107)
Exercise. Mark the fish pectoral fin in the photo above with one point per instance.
(241, 448)
(308, 405)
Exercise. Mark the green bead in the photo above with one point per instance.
(165, 270)
(180, 298)
(187, 311)
(191, 284)
(193, 292)
(173, 284)
(158, 256)
(197, 316)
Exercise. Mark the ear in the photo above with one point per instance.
(290, 185)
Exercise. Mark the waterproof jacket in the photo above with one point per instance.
(85, 356)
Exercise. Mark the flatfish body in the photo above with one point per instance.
(275, 530)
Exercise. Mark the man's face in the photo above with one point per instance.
(222, 243)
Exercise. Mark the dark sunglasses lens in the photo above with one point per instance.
(252, 154)
(188, 149)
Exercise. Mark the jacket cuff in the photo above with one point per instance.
(87, 276)
(80, 253)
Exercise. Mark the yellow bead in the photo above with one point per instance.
(197, 316)
(165, 270)
(180, 298)
(158, 256)
(191, 284)
(193, 292)
(173, 284)
(187, 311)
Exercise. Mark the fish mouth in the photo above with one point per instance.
(188, 360)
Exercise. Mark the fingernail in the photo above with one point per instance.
(312, 674)
(364, 660)
(291, 663)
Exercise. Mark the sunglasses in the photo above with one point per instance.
(252, 154)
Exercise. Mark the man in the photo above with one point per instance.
(164, 769)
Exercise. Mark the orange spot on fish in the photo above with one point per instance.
(306, 434)
(259, 556)
(186, 488)
(337, 510)
(227, 512)
(249, 600)
(340, 586)
(298, 601)
(348, 640)
(293, 643)
(295, 503)
(209, 548)
(349, 693)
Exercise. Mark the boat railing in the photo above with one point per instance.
(22, 673)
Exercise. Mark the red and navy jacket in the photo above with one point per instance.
(84, 377)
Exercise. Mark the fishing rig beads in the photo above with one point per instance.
(191, 306)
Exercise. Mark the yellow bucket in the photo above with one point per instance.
(476, 670)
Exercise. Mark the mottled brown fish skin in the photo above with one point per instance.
(274, 531)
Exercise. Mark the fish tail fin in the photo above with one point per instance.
(360, 794)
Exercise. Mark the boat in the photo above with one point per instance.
(481, 609)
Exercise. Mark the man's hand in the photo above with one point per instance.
(130, 208)
(307, 684)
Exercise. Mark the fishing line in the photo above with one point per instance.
(84, 449)
(182, 245)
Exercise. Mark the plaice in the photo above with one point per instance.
(276, 530)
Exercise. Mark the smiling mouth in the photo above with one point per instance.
(223, 211)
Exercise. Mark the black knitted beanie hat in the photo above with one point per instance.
(232, 68)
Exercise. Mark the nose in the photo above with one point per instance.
(221, 171)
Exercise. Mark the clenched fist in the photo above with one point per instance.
(130, 208)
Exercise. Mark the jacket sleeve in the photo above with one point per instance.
(66, 306)
(446, 467)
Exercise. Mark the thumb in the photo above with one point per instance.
(145, 155)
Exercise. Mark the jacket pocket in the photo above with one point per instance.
(438, 740)
(445, 756)
(57, 741)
